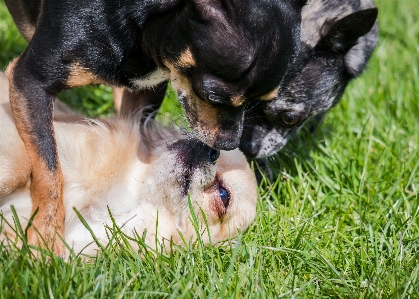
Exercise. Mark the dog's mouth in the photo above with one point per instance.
(220, 195)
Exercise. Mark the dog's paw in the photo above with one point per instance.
(47, 238)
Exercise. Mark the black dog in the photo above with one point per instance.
(337, 40)
(219, 55)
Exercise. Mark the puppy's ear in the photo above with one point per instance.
(340, 36)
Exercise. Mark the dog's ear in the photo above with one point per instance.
(340, 36)
(205, 9)
(301, 2)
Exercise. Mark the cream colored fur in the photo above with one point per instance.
(108, 163)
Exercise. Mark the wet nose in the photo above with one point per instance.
(250, 149)
(250, 142)
(227, 143)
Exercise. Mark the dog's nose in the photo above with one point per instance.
(227, 142)
(249, 149)
(250, 145)
(213, 155)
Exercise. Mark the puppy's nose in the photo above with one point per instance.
(213, 155)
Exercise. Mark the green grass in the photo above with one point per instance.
(341, 220)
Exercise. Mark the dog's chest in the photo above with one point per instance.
(150, 80)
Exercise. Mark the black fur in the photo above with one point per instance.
(240, 47)
(317, 80)
(192, 154)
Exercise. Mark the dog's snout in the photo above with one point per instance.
(249, 148)
(213, 155)
(227, 142)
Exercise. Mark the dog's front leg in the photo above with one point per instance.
(127, 102)
(32, 107)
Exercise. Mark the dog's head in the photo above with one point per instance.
(314, 84)
(220, 186)
(221, 54)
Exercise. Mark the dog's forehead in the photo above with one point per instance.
(251, 48)
(282, 103)
(312, 80)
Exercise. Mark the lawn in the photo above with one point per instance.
(339, 219)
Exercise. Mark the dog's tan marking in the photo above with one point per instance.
(186, 59)
(47, 185)
(46, 192)
(201, 115)
(237, 100)
(207, 123)
(27, 31)
(81, 76)
(270, 96)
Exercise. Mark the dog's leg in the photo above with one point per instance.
(131, 102)
(34, 79)
(32, 109)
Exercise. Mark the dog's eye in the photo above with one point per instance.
(215, 99)
(225, 197)
(213, 155)
(290, 119)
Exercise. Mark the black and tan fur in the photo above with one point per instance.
(219, 55)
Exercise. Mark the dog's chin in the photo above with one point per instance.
(264, 144)
(271, 144)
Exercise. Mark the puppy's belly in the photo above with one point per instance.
(138, 219)
(80, 239)
(151, 80)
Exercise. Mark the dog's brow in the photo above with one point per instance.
(270, 96)
(186, 59)
(237, 100)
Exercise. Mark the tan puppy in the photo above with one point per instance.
(143, 178)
